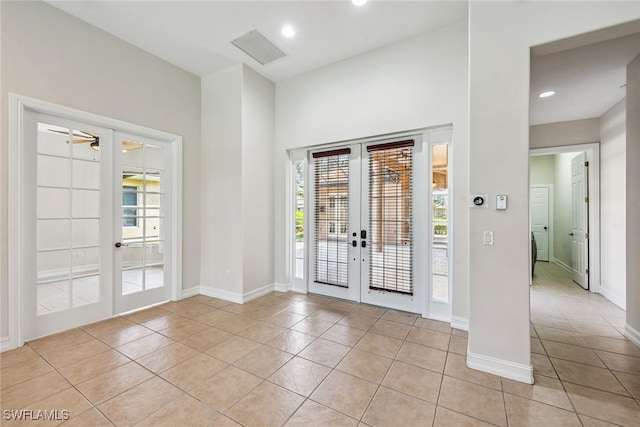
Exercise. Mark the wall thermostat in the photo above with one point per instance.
(479, 201)
(501, 202)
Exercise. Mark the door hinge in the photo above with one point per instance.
(586, 164)
(586, 199)
(586, 235)
(586, 271)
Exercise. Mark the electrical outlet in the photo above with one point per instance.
(488, 238)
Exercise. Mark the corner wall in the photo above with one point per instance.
(632, 329)
(613, 143)
(501, 34)
(49, 55)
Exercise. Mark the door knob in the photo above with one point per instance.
(545, 228)
(570, 234)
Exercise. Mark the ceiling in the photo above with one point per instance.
(586, 71)
(197, 35)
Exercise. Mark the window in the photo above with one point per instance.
(129, 204)
(299, 218)
(440, 221)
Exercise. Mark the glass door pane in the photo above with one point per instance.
(141, 258)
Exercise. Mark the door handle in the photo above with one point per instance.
(354, 243)
(570, 234)
(363, 234)
(120, 244)
(545, 228)
(364, 244)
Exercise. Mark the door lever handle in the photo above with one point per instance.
(570, 234)
(120, 244)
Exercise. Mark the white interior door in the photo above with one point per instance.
(540, 220)
(142, 222)
(580, 221)
(66, 227)
(364, 224)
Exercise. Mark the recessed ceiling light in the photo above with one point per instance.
(546, 94)
(288, 31)
(358, 2)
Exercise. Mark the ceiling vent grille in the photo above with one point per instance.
(258, 47)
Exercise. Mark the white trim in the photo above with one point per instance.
(187, 293)
(618, 300)
(562, 264)
(281, 287)
(6, 344)
(593, 156)
(236, 297)
(502, 368)
(221, 294)
(461, 323)
(298, 287)
(18, 105)
(632, 335)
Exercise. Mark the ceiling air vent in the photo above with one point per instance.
(258, 47)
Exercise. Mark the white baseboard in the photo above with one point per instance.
(503, 368)
(460, 323)
(258, 293)
(562, 264)
(618, 300)
(281, 287)
(632, 335)
(191, 292)
(6, 344)
(236, 297)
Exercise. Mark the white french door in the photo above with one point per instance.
(95, 224)
(141, 227)
(580, 220)
(364, 223)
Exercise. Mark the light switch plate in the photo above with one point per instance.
(501, 202)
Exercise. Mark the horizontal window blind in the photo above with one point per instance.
(390, 216)
(331, 185)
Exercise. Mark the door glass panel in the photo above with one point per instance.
(299, 219)
(53, 234)
(142, 217)
(52, 202)
(390, 219)
(86, 174)
(85, 203)
(53, 171)
(331, 185)
(440, 223)
(67, 245)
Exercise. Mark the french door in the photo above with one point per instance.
(94, 223)
(364, 224)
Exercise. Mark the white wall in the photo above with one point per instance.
(633, 201)
(542, 170)
(564, 133)
(258, 133)
(238, 116)
(612, 203)
(413, 84)
(221, 192)
(50, 55)
(501, 34)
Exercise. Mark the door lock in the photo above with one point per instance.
(363, 234)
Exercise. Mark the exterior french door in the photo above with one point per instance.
(363, 223)
(95, 234)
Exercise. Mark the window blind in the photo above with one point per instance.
(390, 216)
(331, 185)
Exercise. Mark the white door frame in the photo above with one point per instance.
(593, 156)
(18, 106)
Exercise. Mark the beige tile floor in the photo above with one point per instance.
(297, 360)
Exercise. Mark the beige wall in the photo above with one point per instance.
(564, 133)
(49, 55)
(501, 35)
